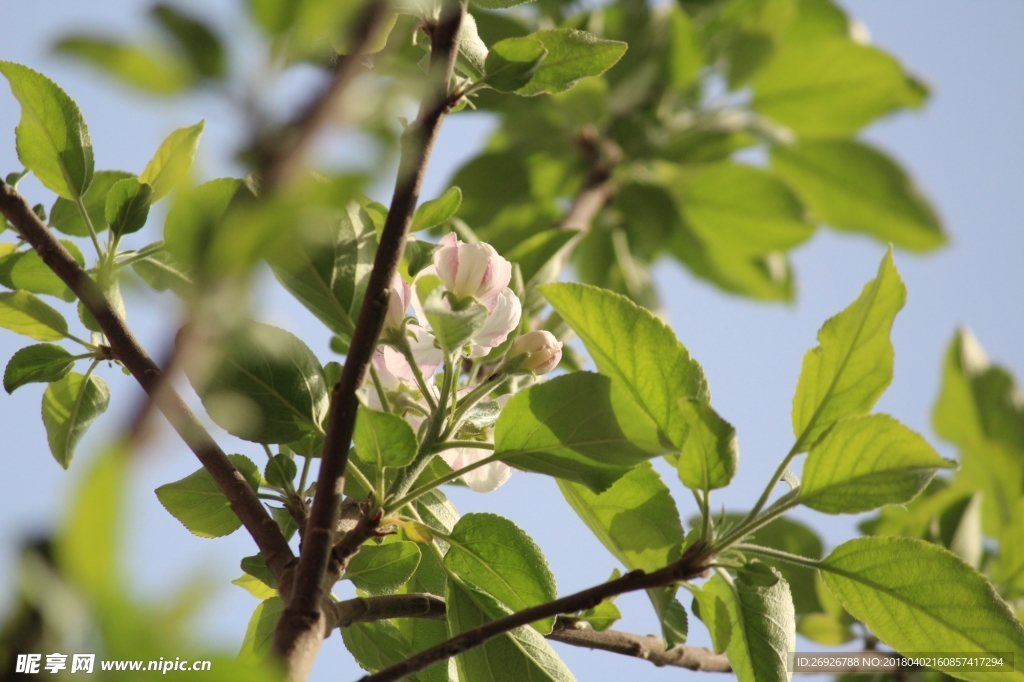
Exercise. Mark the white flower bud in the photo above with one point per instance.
(472, 270)
(543, 351)
(502, 319)
(398, 302)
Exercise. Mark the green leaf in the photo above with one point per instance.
(522, 653)
(24, 313)
(172, 161)
(259, 635)
(64, 215)
(828, 87)
(867, 462)
(384, 439)
(26, 270)
(637, 521)
(194, 218)
(817, 19)
(128, 206)
(602, 616)
(744, 209)
(1008, 568)
(852, 186)
(52, 138)
(979, 411)
(328, 272)
(453, 328)
(710, 455)
(267, 388)
(256, 566)
(713, 612)
(512, 62)
(255, 587)
(69, 407)
(824, 628)
(43, 362)
(199, 43)
(382, 569)
(658, 371)
(499, 4)
(685, 54)
(493, 554)
(162, 272)
(762, 623)
(280, 472)
(916, 596)
(535, 254)
(853, 363)
(377, 645)
(436, 211)
(472, 53)
(198, 503)
(580, 427)
(150, 69)
(572, 56)
(796, 538)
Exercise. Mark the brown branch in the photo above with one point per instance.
(689, 566)
(368, 609)
(284, 157)
(648, 647)
(127, 350)
(301, 628)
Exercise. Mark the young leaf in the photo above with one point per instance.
(867, 462)
(328, 275)
(452, 328)
(267, 388)
(150, 69)
(256, 566)
(602, 616)
(43, 362)
(637, 521)
(434, 212)
(744, 209)
(710, 455)
(69, 407)
(280, 472)
(259, 635)
(581, 427)
(24, 313)
(572, 56)
(658, 371)
(65, 216)
(382, 569)
(522, 650)
(172, 161)
(917, 596)
(713, 612)
(255, 587)
(199, 43)
(512, 62)
(852, 186)
(829, 87)
(199, 504)
(762, 623)
(472, 51)
(853, 363)
(495, 555)
(384, 439)
(128, 206)
(796, 538)
(52, 138)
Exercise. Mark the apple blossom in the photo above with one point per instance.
(398, 302)
(472, 270)
(484, 479)
(542, 350)
(500, 322)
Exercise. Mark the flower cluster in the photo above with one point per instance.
(409, 357)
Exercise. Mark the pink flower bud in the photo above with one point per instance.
(543, 351)
(398, 302)
(503, 318)
(472, 270)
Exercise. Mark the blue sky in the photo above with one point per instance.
(966, 149)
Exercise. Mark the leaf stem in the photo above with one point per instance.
(788, 557)
(88, 224)
(379, 387)
(401, 344)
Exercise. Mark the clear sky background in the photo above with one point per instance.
(966, 149)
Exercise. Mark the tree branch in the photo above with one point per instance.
(301, 628)
(648, 647)
(689, 566)
(284, 157)
(368, 609)
(126, 349)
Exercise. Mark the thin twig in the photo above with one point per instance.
(300, 630)
(689, 566)
(648, 647)
(127, 350)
